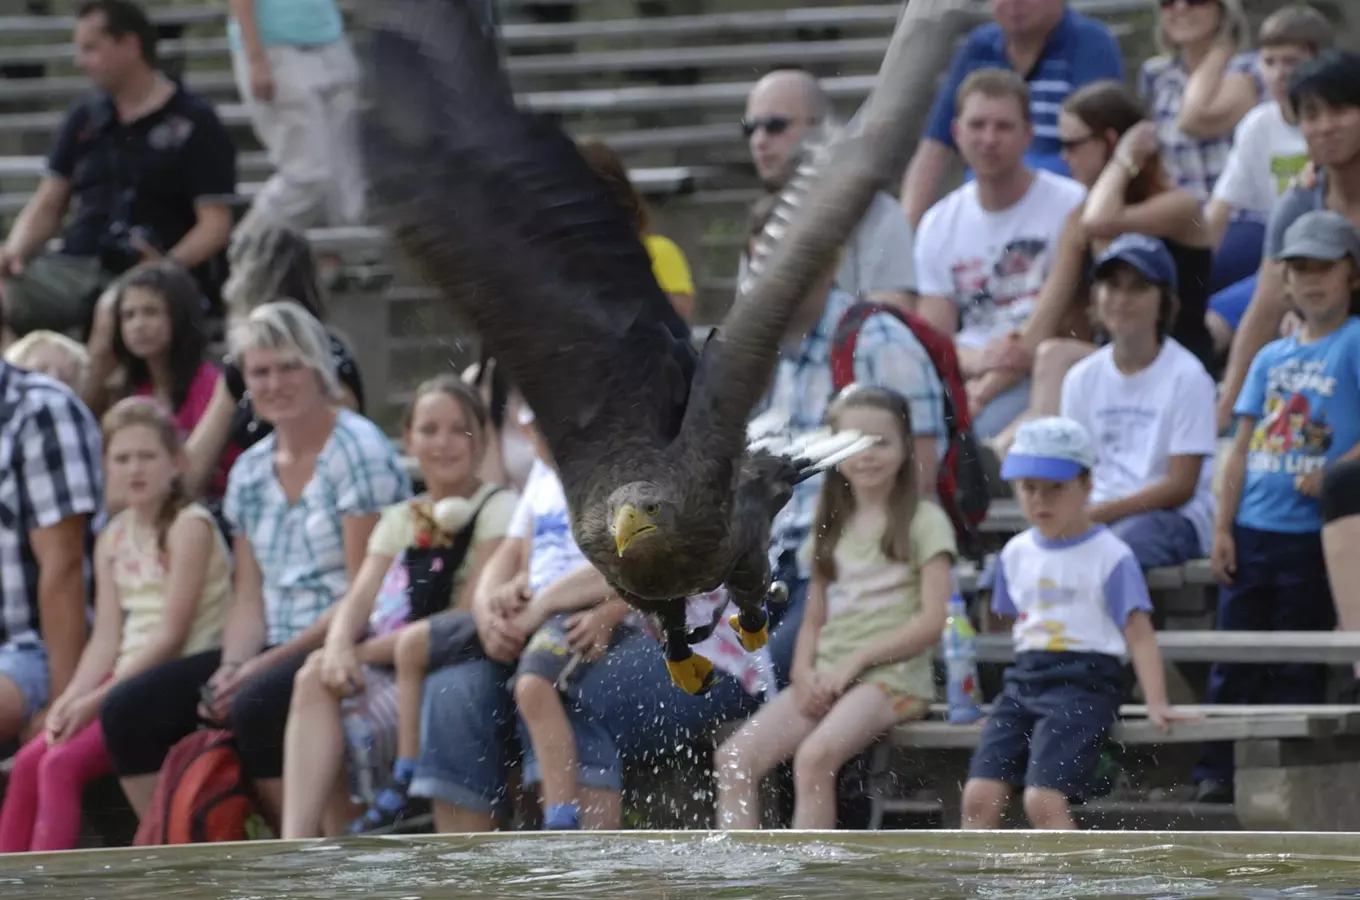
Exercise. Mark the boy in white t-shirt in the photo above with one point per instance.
(570, 627)
(1079, 603)
(984, 251)
(1268, 149)
(1149, 405)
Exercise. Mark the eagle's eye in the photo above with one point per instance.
(652, 509)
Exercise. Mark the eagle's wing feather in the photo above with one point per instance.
(500, 211)
(817, 212)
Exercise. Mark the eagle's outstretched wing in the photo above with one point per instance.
(817, 212)
(499, 210)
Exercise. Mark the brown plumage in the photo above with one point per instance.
(498, 210)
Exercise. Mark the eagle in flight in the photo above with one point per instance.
(499, 211)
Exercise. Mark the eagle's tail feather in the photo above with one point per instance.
(815, 451)
(820, 456)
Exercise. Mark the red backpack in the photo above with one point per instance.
(962, 483)
(201, 796)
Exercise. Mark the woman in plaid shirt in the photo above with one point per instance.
(302, 503)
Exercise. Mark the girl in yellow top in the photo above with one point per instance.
(162, 578)
(875, 609)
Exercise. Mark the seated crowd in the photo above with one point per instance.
(190, 537)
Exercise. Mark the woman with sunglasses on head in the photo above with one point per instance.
(1112, 148)
(1200, 86)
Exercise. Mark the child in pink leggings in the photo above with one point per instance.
(162, 579)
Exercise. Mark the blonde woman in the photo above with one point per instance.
(1205, 80)
(302, 504)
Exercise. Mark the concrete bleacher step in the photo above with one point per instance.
(1149, 815)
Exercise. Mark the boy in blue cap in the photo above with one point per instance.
(1150, 405)
(1079, 602)
(1297, 415)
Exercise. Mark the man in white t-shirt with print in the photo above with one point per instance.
(983, 252)
(1268, 150)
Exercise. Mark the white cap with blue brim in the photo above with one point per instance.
(1053, 448)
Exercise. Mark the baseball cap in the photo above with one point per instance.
(1146, 254)
(1321, 234)
(1053, 448)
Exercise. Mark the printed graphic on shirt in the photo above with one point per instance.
(990, 291)
(1284, 168)
(554, 549)
(1043, 616)
(1291, 437)
(392, 606)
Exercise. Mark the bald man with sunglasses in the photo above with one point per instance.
(782, 109)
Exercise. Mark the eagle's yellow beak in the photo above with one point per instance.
(629, 523)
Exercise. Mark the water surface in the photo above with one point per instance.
(922, 865)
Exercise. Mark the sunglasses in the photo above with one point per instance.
(1167, 4)
(1067, 145)
(773, 125)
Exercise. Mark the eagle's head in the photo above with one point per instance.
(641, 518)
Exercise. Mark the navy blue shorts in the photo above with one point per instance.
(1048, 725)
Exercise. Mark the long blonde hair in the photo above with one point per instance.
(836, 503)
(150, 413)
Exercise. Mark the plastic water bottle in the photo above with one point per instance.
(960, 661)
(362, 775)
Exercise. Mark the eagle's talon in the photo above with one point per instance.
(693, 675)
(752, 638)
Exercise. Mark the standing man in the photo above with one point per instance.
(784, 108)
(300, 81)
(1055, 50)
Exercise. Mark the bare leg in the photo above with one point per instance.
(340, 810)
(862, 714)
(1220, 331)
(313, 753)
(601, 810)
(411, 660)
(270, 792)
(11, 709)
(554, 742)
(767, 739)
(1340, 537)
(450, 819)
(1047, 808)
(984, 801)
(138, 790)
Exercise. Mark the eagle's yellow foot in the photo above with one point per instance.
(754, 638)
(693, 674)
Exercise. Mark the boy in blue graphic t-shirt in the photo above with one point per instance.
(1298, 413)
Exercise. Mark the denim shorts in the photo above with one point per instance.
(627, 707)
(1048, 725)
(468, 740)
(24, 662)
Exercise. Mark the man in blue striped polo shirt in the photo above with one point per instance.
(1056, 49)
